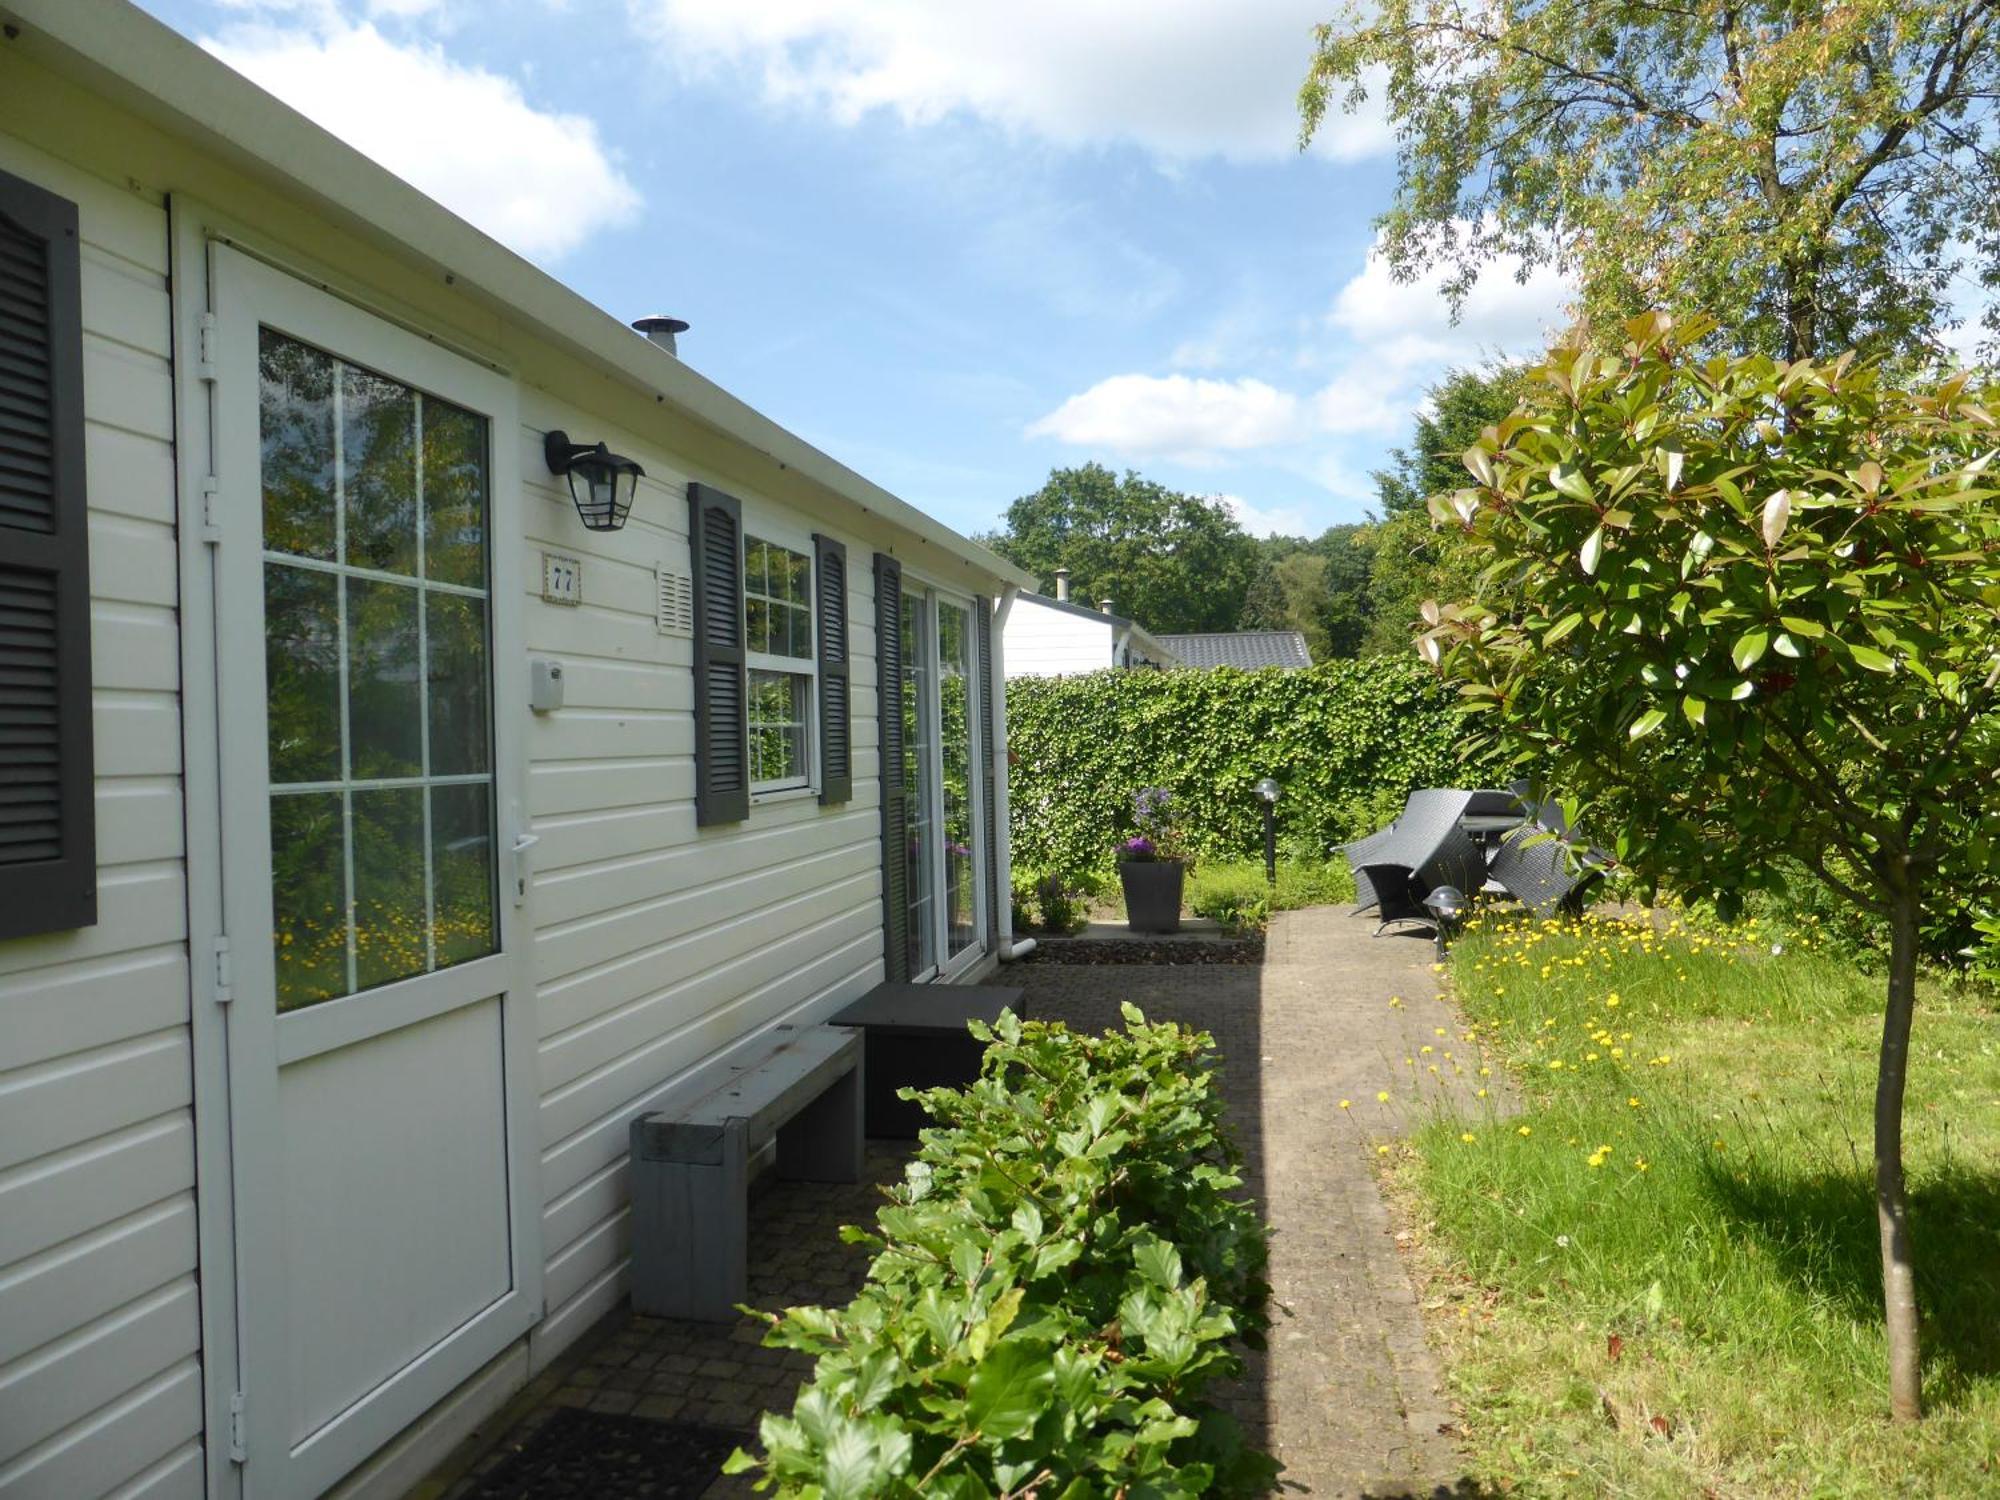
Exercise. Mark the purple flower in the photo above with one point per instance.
(1139, 848)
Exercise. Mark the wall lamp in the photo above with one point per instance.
(602, 483)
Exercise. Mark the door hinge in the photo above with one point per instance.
(206, 336)
(211, 509)
(239, 1449)
(225, 978)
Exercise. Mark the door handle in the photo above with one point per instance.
(523, 842)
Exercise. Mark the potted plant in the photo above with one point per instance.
(1152, 865)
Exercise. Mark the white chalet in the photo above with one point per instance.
(375, 839)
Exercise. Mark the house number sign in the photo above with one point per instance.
(562, 579)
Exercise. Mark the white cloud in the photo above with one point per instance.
(1179, 78)
(1175, 415)
(1280, 520)
(538, 181)
(1388, 343)
(1408, 323)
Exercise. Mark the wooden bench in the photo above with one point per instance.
(691, 1163)
(917, 1039)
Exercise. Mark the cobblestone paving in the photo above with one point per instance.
(1347, 1395)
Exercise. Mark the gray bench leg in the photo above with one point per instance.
(823, 1141)
(695, 1216)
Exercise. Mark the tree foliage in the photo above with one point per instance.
(1816, 175)
(1170, 561)
(1749, 613)
(1413, 561)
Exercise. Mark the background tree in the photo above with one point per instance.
(1412, 560)
(1815, 175)
(1170, 561)
(1750, 614)
(1319, 589)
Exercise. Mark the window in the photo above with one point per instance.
(778, 639)
(377, 650)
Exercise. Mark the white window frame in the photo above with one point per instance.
(774, 532)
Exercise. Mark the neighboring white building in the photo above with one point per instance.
(331, 971)
(1057, 638)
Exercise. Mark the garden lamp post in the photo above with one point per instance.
(1446, 905)
(1267, 792)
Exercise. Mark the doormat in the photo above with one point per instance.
(575, 1454)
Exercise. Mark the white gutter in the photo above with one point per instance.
(1008, 949)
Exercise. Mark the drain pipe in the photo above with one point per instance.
(1008, 949)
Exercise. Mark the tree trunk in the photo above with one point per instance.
(1892, 1210)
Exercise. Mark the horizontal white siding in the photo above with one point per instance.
(1044, 642)
(659, 943)
(99, 1327)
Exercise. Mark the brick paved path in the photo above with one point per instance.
(1346, 1396)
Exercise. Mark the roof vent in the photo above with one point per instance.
(1104, 605)
(1062, 583)
(661, 329)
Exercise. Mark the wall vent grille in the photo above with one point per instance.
(676, 603)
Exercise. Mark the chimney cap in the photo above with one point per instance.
(1104, 605)
(662, 330)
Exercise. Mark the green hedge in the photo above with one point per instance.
(1347, 739)
(1069, 1266)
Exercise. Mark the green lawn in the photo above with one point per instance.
(1659, 1276)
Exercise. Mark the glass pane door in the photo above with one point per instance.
(377, 671)
(919, 717)
(956, 836)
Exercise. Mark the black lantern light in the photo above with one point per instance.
(1446, 905)
(602, 483)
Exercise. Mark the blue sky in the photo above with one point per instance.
(953, 245)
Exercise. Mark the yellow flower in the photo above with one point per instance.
(1642, 1164)
(1468, 1137)
(1439, 1031)
(1525, 1130)
(1612, 998)
(1426, 1050)
(1633, 1102)
(1482, 1093)
(1347, 1104)
(1381, 1150)
(1555, 1064)
(1382, 1097)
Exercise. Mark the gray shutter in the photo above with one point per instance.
(983, 633)
(721, 709)
(48, 824)
(836, 739)
(895, 784)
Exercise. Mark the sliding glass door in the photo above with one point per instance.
(941, 747)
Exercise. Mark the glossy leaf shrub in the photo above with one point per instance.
(1069, 1267)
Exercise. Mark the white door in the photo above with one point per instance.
(942, 749)
(380, 1043)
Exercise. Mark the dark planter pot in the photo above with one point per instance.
(1152, 893)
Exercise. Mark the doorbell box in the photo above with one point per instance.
(545, 685)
